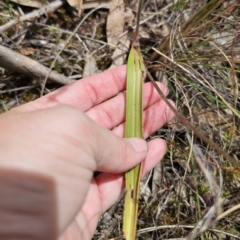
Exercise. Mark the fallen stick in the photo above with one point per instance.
(49, 8)
(19, 63)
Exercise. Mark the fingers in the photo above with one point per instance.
(85, 93)
(111, 113)
(115, 155)
(91, 91)
(110, 185)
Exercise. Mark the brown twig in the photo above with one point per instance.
(20, 63)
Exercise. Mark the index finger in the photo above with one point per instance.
(85, 93)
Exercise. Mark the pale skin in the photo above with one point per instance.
(73, 132)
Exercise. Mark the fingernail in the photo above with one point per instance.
(138, 144)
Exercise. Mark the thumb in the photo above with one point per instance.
(115, 155)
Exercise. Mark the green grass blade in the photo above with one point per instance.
(133, 128)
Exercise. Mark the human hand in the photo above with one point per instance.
(51, 147)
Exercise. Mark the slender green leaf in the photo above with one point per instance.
(133, 128)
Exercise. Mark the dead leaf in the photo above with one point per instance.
(31, 3)
(161, 31)
(120, 53)
(90, 67)
(76, 4)
(115, 25)
(115, 21)
(27, 51)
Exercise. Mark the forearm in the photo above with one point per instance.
(28, 208)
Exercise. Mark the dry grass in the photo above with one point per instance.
(199, 61)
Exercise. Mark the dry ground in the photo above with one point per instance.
(193, 47)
